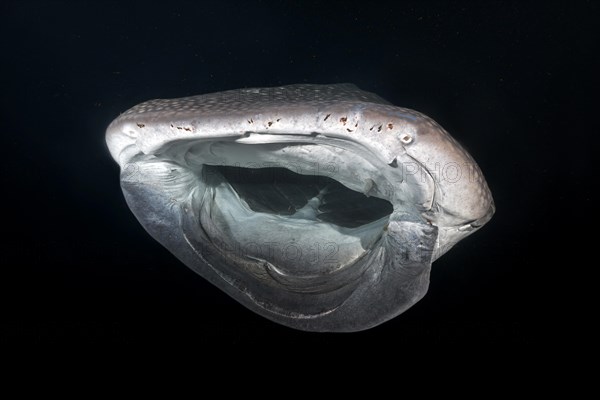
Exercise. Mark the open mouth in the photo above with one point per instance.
(302, 223)
(292, 226)
(300, 217)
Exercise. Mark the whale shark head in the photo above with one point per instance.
(320, 207)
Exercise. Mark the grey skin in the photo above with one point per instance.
(342, 243)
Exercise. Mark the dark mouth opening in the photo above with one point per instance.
(282, 192)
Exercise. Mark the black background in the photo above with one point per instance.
(513, 82)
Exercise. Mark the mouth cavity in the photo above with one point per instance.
(302, 212)
(279, 191)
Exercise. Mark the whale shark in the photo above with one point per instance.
(319, 207)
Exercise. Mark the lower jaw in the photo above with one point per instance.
(299, 271)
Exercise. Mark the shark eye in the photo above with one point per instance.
(406, 138)
(305, 202)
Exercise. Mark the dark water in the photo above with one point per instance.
(514, 83)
